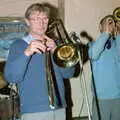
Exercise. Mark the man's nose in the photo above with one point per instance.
(41, 21)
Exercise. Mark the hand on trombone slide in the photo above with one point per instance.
(41, 44)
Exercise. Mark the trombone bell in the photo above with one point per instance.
(116, 14)
(66, 55)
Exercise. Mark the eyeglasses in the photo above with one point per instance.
(39, 19)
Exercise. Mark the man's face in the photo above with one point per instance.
(38, 23)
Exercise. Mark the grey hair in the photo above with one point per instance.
(37, 7)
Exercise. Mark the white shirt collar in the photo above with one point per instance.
(28, 38)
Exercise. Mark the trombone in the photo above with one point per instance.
(65, 55)
(116, 14)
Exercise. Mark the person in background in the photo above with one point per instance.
(104, 54)
(26, 66)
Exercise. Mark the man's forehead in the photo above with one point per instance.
(109, 18)
(38, 13)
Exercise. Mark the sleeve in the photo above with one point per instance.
(16, 64)
(67, 72)
(97, 47)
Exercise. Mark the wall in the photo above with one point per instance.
(17, 7)
(78, 16)
(85, 15)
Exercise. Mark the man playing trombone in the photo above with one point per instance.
(27, 65)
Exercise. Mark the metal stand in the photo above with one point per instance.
(77, 41)
(90, 39)
(84, 87)
(85, 91)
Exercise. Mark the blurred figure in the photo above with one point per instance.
(104, 54)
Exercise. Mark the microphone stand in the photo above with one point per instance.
(85, 91)
(77, 41)
(76, 38)
(84, 88)
(85, 35)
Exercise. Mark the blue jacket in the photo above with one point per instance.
(106, 66)
(29, 73)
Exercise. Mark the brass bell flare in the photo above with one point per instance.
(66, 55)
(116, 14)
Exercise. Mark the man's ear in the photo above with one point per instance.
(27, 22)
